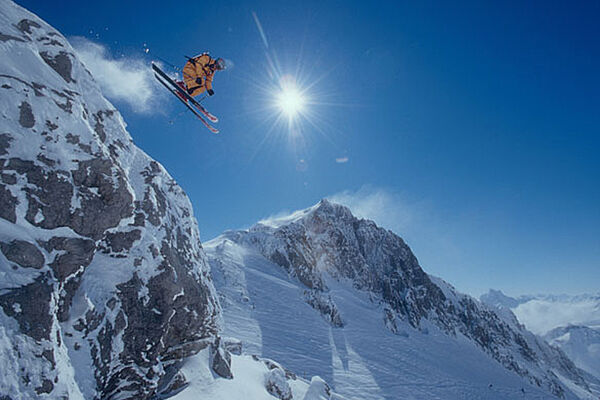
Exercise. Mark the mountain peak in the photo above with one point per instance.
(324, 209)
(327, 208)
(497, 298)
(332, 256)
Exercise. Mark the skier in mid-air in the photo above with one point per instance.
(198, 73)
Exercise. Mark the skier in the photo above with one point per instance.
(198, 74)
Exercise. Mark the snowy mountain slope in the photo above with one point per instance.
(571, 323)
(580, 343)
(328, 294)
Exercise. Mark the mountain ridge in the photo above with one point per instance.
(325, 245)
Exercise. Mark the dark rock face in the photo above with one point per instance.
(74, 254)
(326, 307)
(25, 25)
(61, 63)
(9, 202)
(121, 241)
(26, 118)
(6, 38)
(104, 198)
(221, 361)
(99, 247)
(5, 140)
(47, 387)
(30, 306)
(23, 253)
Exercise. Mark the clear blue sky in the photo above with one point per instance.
(484, 118)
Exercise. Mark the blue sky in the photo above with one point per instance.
(471, 130)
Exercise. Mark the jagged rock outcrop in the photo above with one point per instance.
(277, 381)
(221, 360)
(104, 284)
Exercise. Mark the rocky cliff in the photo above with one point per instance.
(104, 286)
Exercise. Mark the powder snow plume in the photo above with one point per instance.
(127, 79)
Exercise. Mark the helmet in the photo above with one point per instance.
(220, 64)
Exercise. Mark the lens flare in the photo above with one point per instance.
(290, 99)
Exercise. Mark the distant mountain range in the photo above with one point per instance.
(571, 322)
(541, 313)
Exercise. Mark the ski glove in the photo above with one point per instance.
(210, 92)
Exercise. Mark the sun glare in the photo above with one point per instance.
(289, 99)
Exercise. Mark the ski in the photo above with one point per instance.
(199, 106)
(192, 109)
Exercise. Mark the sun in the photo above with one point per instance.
(290, 99)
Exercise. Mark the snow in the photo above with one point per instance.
(250, 377)
(581, 344)
(277, 221)
(362, 360)
(39, 217)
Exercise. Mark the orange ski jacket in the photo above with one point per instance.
(198, 74)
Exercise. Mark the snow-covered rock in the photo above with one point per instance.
(255, 379)
(331, 295)
(580, 343)
(318, 390)
(277, 384)
(104, 286)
